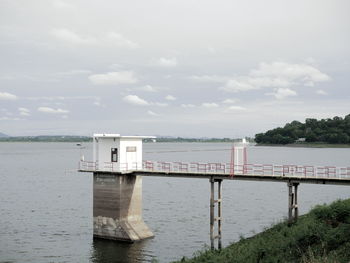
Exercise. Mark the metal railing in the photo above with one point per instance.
(109, 166)
(222, 168)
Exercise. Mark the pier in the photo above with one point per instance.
(118, 184)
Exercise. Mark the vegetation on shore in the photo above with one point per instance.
(72, 138)
(328, 131)
(308, 145)
(44, 138)
(322, 235)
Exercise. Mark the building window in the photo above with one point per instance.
(131, 148)
(114, 155)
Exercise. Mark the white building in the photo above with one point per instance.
(239, 156)
(113, 152)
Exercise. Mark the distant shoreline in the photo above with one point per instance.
(166, 140)
(80, 139)
(87, 141)
(306, 145)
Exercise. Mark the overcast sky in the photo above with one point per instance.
(171, 67)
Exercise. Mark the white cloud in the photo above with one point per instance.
(236, 108)
(69, 36)
(254, 83)
(160, 104)
(148, 88)
(210, 105)
(229, 101)
(7, 96)
(113, 78)
(54, 98)
(276, 75)
(113, 39)
(9, 119)
(188, 105)
(24, 111)
(209, 78)
(282, 93)
(321, 92)
(152, 113)
(73, 72)
(234, 85)
(52, 111)
(167, 62)
(135, 100)
(121, 41)
(304, 73)
(47, 98)
(97, 102)
(170, 97)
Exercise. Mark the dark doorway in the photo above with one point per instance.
(114, 155)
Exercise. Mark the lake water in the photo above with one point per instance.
(46, 206)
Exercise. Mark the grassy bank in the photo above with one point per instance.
(323, 235)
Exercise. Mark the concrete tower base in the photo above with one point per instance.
(117, 208)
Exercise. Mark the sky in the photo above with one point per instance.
(185, 68)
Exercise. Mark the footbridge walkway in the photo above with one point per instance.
(250, 172)
(293, 175)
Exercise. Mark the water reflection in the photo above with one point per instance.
(119, 252)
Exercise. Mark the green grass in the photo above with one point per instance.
(323, 235)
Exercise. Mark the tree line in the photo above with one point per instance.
(334, 131)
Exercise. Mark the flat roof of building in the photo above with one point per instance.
(110, 135)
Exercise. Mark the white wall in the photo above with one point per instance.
(239, 160)
(137, 162)
(102, 153)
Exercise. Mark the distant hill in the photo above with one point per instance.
(3, 135)
(332, 131)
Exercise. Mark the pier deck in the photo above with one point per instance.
(250, 172)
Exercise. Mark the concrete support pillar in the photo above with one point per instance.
(117, 208)
(293, 211)
(213, 218)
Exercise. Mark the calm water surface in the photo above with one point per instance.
(46, 206)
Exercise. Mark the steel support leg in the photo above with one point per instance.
(219, 213)
(212, 213)
(212, 206)
(290, 202)
(296, 211)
